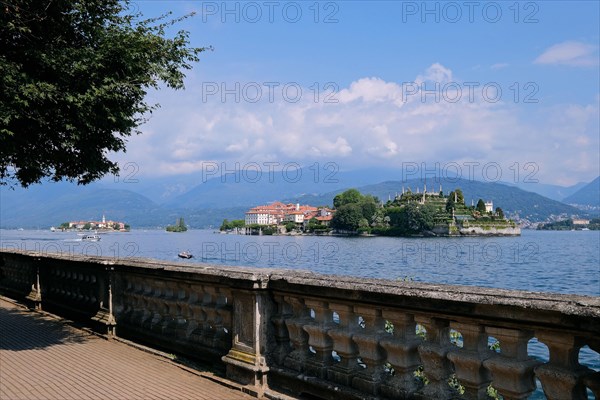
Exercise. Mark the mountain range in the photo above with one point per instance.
(156, 202)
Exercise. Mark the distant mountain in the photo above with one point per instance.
(526, 205)
(208, 203)
(588, 195)
(51, 204)
(554, 192)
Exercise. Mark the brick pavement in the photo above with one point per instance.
(42, 358)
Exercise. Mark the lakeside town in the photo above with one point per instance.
(419, 213)
(103, 225)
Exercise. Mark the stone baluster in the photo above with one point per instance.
(468, 360)
(198, 307)
(194, 328)
(210, 312)
(169, 324)
(183, 310)
(222, 338)
(368, 379)
(317, 364)
(433, 352)
(562, 376)
(155, 302)
(296, 360)
(344, 371)
(402, 353)
(282, 313)
(512, 369)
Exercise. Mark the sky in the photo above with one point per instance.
(506, 87)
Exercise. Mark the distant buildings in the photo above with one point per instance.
(278, 213)
(102, 225)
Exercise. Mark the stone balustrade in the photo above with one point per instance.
(328, 336)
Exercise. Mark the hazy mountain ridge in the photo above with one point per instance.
(588, 195)
(208, 203)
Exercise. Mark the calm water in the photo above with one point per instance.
(562, 262)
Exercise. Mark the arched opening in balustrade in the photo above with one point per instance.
(456, 338)
(589, 358)
(420, 331)
(312, 313)
(335, 317)
(494, 344)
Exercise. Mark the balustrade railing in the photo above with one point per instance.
(331, 337)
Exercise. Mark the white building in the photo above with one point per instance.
(489, 206)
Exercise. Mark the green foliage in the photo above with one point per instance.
(178, 227)
(64, 225)
(348, 197)
(290, 226)
(236, 223)
(347, 217)
(87, 226)
(480, 206)
(500, 212)
(74, 76)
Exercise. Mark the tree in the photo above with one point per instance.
(480, 206)
(349, 196)
(74, 75)
(500, 212)
(347, 217)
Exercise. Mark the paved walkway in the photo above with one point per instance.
(42, 358)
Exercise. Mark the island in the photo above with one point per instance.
(100, 226)
(418, 213)
(178, 227)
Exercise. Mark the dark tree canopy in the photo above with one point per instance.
(73, 79)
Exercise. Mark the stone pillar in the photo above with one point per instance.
(468, 361)
(246, 360)
(512, 369)
(402, 354)
(562, 376)
(436, 366)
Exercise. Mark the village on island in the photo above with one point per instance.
(419, 213)
(99, 226)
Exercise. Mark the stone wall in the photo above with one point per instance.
(329, 336)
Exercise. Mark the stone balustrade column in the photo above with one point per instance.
(318, 363)
(296, 360)
(371, 353)
(210, 315)
(283, 312)
(341, 335)
(562, 376)
(184, 313)
(468, 360)
(223, 320)
(402, 352)
(436, 366)
(512, 369)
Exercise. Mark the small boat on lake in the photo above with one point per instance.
(185, 254)
(90, 238)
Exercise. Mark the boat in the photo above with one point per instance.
(185, 254)
(90, 238)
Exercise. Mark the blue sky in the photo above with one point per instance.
(368, 60)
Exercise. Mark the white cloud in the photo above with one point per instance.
(499, 66)
(371, 125)
(570, 53)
